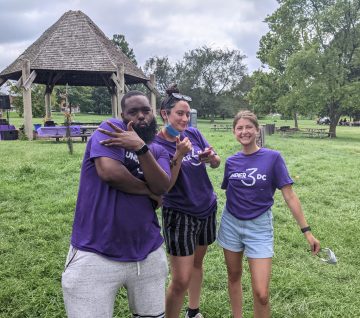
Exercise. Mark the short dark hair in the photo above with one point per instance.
(128, 95)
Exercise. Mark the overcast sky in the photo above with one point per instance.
(152, 27)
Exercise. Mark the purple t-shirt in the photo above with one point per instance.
(193, 192)
(251, 180)
(121, 226)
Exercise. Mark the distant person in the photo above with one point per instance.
(250, 179)
(189, 207)
(116, 239)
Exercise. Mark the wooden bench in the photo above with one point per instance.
(83, 137)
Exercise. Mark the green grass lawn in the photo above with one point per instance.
(39, 182)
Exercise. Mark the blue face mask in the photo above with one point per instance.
(171, 130)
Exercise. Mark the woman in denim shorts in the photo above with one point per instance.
(189, 207)
(251, 177)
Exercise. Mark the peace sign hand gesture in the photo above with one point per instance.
(129, 139)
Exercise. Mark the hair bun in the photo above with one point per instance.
(172, 89)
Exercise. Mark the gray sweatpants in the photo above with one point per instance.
(90, 283)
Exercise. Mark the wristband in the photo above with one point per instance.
(306, 229)
(143, 150)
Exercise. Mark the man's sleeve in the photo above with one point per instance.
(99, 150)
(162, 158)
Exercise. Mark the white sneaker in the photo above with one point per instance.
(198, 315)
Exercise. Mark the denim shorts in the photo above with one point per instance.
(254, 237)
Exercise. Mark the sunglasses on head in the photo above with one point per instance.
(181, 97)
(178, 97)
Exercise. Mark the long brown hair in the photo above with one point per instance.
(246, 114)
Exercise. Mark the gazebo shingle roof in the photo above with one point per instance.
(75, 47)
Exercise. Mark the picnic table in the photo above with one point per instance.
(59, 132)
(315, 132)
(287, 131)
(221, 127)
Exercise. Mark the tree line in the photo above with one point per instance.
(216, 79)
(312, 52)
(311, 67)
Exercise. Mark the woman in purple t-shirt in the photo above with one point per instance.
(189, 207)
(251, 177)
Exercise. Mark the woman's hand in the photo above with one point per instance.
(209, 156)
(121, 138)
(313, 242)
(183, 146)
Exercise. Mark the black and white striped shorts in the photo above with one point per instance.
(183, 232)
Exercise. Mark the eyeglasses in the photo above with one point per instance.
(178, 97)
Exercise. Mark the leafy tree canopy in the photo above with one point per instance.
(212, 77)
(313, 46)
(120, 41)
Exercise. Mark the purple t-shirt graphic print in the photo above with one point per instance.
(118, 225)
(251, 180)
(193, 192)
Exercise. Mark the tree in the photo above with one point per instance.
(120, 41)
(76, 96)
(215, 79)
(266, 91)
(208, 74)
(37, 99)
(162, 69)
(236, 99)
(101, 100)
(315, 47)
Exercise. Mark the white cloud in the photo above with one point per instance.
(152, 27)
(10, 51)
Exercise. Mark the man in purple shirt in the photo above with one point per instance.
(116, 239)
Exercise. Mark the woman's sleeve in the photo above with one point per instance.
(225, 178)
(281, 173)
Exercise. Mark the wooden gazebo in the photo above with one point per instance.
(76, 52)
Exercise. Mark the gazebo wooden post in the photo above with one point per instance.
(113, 102)
(28, 129)
(152, 94)
(48, 91)
(120, 74)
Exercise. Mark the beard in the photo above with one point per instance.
(147, 133)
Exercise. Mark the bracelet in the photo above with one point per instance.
(306, 229)
(144, 149)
